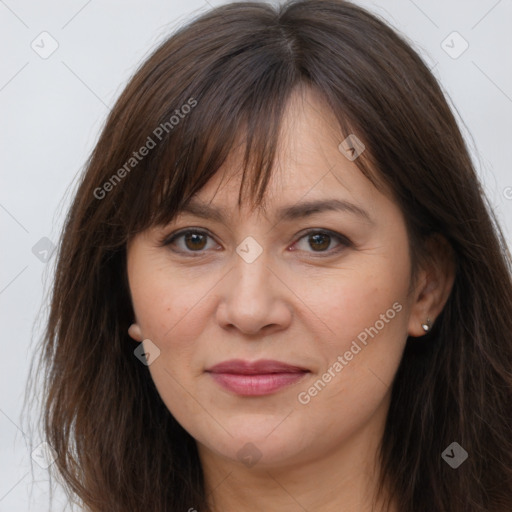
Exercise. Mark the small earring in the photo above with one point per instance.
(427, 325)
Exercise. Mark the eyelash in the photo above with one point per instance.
(343, 240)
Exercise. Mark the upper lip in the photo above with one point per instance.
(262, 366)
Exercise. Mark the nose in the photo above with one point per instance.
(253, 299)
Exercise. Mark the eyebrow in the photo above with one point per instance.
(286, 213)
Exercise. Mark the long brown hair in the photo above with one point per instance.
(230, 71)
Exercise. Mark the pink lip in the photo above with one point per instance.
(255, 378)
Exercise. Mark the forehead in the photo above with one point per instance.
(309, 168)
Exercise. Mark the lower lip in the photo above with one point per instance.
(256, 385)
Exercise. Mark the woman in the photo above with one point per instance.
(279, 285)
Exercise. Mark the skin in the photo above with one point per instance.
(300, 302)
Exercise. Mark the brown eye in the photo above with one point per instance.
(319, 241)
(195, 241)
(189, 241)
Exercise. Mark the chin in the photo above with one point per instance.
(257, 445)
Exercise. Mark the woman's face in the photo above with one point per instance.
(323, 290)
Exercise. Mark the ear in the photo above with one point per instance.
(434, 284)
(135, 332)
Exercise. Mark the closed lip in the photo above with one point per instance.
(260, 367)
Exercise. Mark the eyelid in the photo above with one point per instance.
(342, 239)
(168, 239)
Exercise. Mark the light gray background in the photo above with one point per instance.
(53, 109)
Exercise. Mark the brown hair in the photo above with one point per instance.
(118, 447)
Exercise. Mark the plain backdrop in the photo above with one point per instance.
(63, 65)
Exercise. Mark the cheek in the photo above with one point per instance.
(170, 312)
(366, 313)
(348, 303)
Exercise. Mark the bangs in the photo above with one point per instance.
(250, 129)
(236, 100)
(188, 120)
(246, 122)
